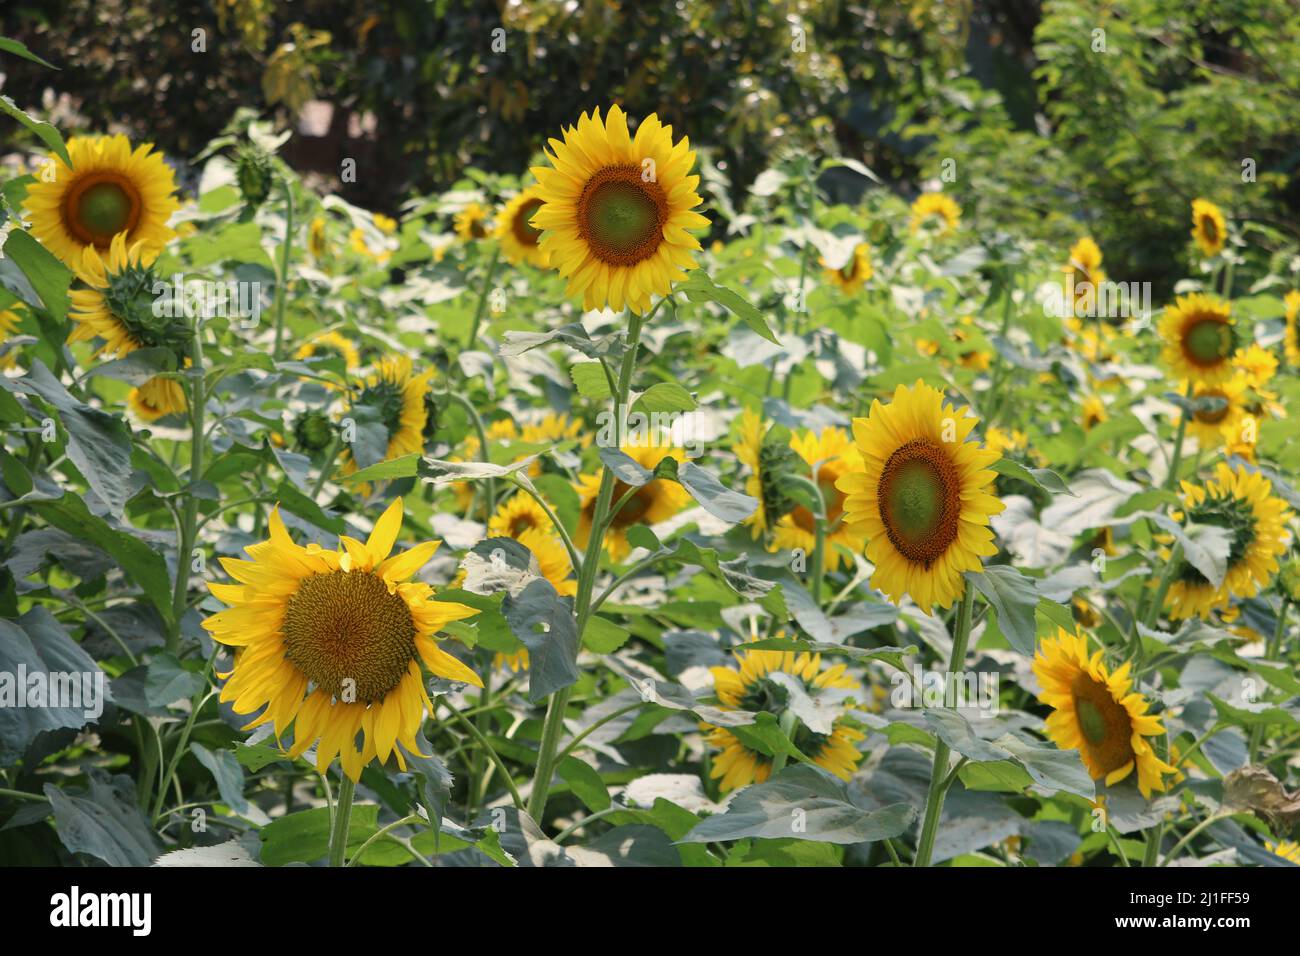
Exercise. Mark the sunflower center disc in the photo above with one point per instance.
(1091, 722)
(920, 501)
(1210, 229)
(621, 216)
(344, 626)
(1216, 415)
(523, 229)
(98, 209)
(1208, 342)
(636, 507)
(1104, 722)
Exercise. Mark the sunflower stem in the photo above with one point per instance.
(342, 820)
(939, 779)
(1171, 479)
(327, 465)
(482, 299)
(286, 253)
(190, 516)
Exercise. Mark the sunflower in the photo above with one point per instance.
(832, 455)
(750, 686)
(649, 504)
(1291, 338)
(1242, 503)
(516, 232)
(9, 319)
(1287, 849)
(616, 210)
(749, 450)
(517, 514)
(1257, 364)
(317, 244)
(1218, 412)
(1095, 711)
(118, 304)
(1199, 339)
(555, 427)
(398, 395)
(108, 191)
(473, 222)
(331, 642)
(157, 397)
(935, 206)
(1094, 412)
(1209, 228)
(385, 224)
(998, 440)
(922, 496)
(853, 274)
(331, 343)
(977, 360)
(1083, 274)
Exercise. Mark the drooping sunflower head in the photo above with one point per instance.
(617, 209)
(157, 397)
(516, 232)
(935, 209)
(109, 190)
(1209, 228)
(473, 222)
(922, 497)
(655, 501)
(823, 458)
(397, 394)
(331, 642)
(752, 686)
(313, 431)
(1098, 713)
(855, 273)
(317, 243)
(120, 306)
(1243, 504)
(1199, 339)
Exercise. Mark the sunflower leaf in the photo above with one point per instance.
(47, 133)
(544, 622)
(713, 496)
(699, 287)
(1013, 598)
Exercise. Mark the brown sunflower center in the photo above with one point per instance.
(99, 206)
(636, 507)
(521, 523)
(1212, 413)
(1104, 723)
(522, 226)
(920, 500)
(621, 216)
(348, 634)
(850, 271)
(1207, 342)
(1210, 228)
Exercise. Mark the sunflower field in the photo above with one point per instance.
(608, 510)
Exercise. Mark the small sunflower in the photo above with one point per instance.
(398, 395)
(649, 504)
(1218, 412)
(110, 190)
(1209, 228)
(853, 274)
(157, 397)
(1242, 503)
(833, 456)
(331, 343)
(617, 209)
(516, 232)
(119, 306)
(749, 686)
(360, 244)
(519, 513)
(1083, 274)
(1291, 339)
(9, 320)
(935, 207)
(555, 427)
(1097, 713)
(749, 449)
(1257, 364)
(1094, 412)
(473, 222)
(1000, 440)
(317, 244)
(922, 497)
(331, 642)
(1199, 339)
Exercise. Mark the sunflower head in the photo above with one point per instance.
(313, 431)
(331, 642)
(922, 497)
(822, 458)
(397, 396)
(331, 343)
(1291, 336)
(473, 222)
(254, 173)
(515, 231)
(765, 682)
(1098, 713)
(120, 305)
(616, 210)
(655, 501)
(771, 462)
(851, 276)
(1217, 412)
(1200, 339)
(9, 321)
(930, 209)
(1209, 228)
(157, 397)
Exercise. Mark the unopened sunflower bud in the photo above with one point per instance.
(255, 174)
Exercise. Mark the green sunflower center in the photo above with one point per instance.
(1105, 725)
(1091, 722)
(920, 500)
(1208, 342)
(1233, 514)
(621, 216)
(524, 231)
(313, 430)
(350, 637)
(389, 399)
(100, 206)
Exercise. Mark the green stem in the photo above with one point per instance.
(939, 773)
(342, 820)
(1171, 479)
(327, 466)
(189, 519)
(381, 834)
(286, 253)
(488, 749)
(21, 795)
(1191, 835)
(482, 299)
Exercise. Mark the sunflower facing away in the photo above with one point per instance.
(761, 484)
(398, 394)
(750, 686)
(616, 210)
(1096, 712)
(935, 208)
(108, 191)
(157, 397)
(655, 501)
(1241, 502)
(922, 497)
(472, 222)
(331, 642)
(1209, 228)
(1094, 412)
(853, 274)
(516, 233)
(834, 456)
(117, 304)
(1199, 339)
